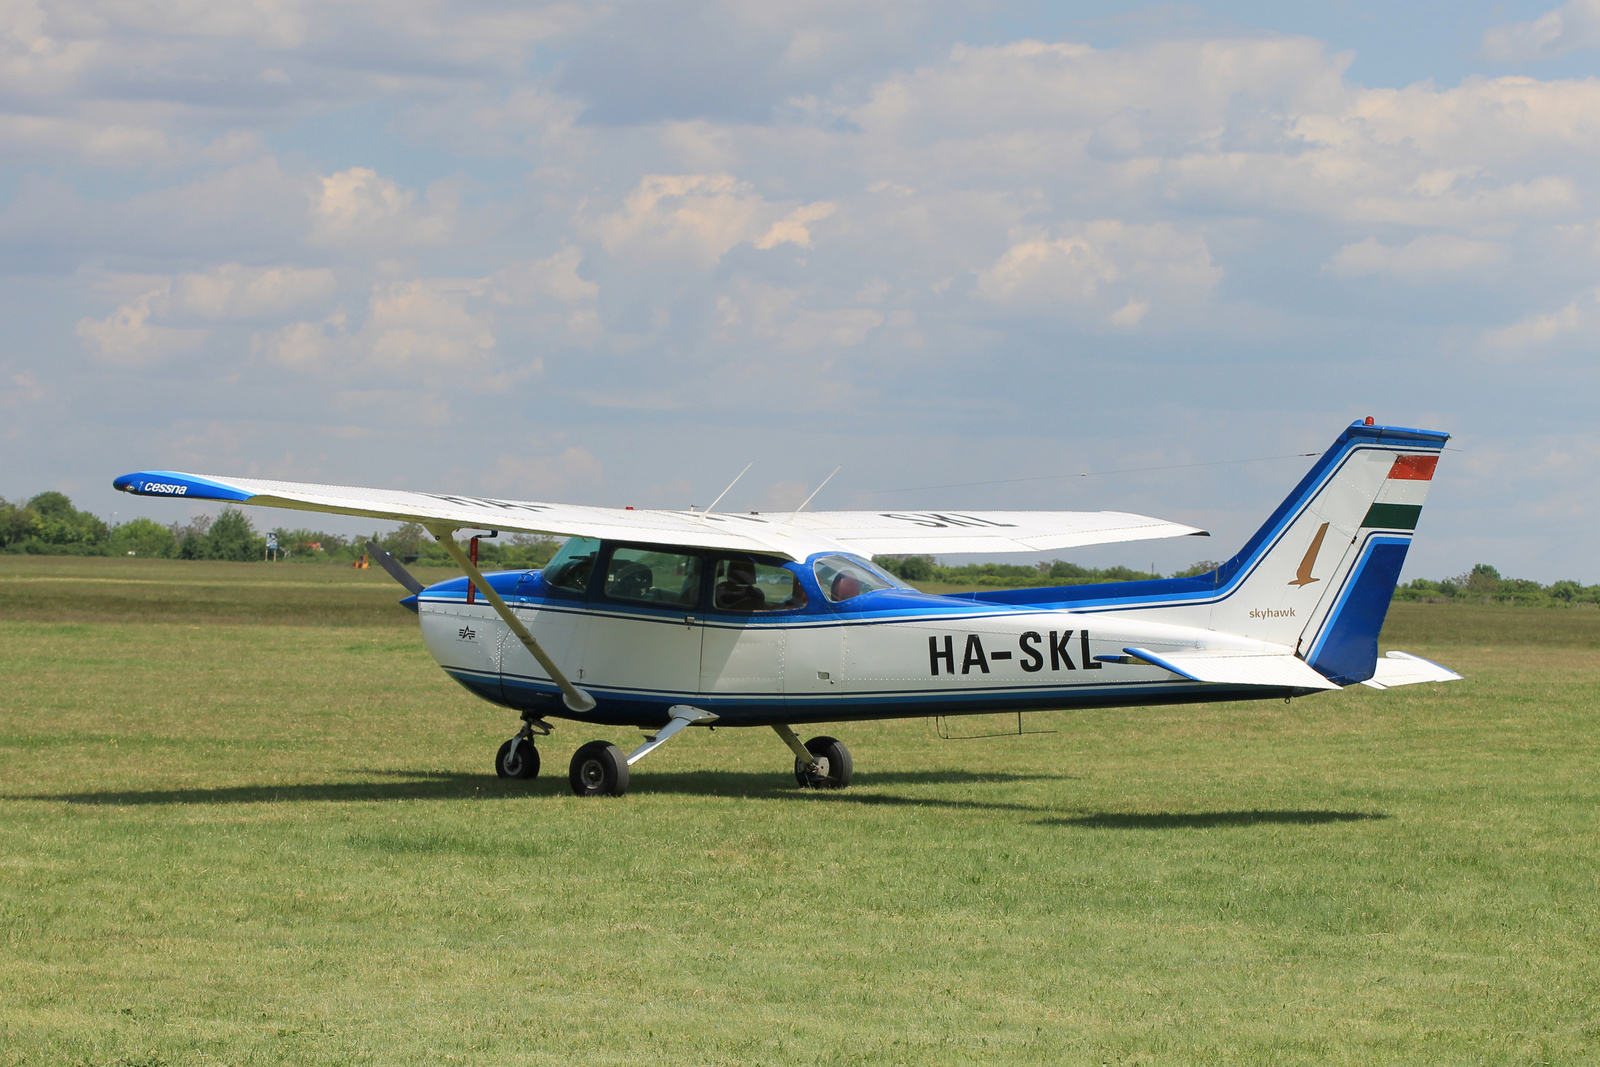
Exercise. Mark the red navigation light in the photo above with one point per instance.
(629, 507)
(1369, 421)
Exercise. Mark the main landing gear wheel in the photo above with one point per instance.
(599, 768)
(833, 770)
(517, 758)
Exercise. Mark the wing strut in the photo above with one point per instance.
(575, 699)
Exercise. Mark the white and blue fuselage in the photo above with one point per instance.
(888, 653)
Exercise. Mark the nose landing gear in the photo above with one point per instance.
(518, 758)
(820, 763)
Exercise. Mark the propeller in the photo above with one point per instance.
(393, 566)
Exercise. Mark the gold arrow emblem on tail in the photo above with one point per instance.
(1303, 575)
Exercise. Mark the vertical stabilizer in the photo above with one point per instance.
(1318, 576)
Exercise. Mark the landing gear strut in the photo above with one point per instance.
(600, 767)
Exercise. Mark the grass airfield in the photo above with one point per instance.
(245, 820)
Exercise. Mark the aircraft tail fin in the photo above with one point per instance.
(1319, 574)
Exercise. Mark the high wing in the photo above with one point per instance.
(794, 537)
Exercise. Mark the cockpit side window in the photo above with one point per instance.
(741, 584)
(650, 576)
(569, 569)
(845, 577)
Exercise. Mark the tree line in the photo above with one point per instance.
(49, 525)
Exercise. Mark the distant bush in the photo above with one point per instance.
(1005, 575)
(143, 537)
(49, 525)
(1483, 584)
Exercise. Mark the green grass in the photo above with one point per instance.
(228, 841)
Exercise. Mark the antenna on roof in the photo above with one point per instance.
(814, 493)
(712, 506)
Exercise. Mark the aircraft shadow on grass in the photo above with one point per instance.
(449, 785)
(1207, 820)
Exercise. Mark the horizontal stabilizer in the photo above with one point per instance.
(1402, 668)
(1273, 670)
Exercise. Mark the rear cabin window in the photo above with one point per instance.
(570, 567)
(649, 576)
(742, 584)
(843, 578)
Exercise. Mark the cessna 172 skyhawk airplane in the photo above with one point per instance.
(666, 619)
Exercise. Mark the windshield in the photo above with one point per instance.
(844, 577)
(570, 567)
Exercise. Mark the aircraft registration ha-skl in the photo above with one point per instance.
(666, 619)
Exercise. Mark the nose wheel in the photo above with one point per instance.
(830, 766)
(518, 758)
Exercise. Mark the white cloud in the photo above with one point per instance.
(423, 323)
(303, 346)
(232, 291)
(106, 143)
(23, 389)
(361, 208)
(699, 217)
(138, 333)
(779, 315)
(1580, 316)
(1423, 259)
(127, 338)
(552, 278)
(793, 228)
(1090, 265)
(1573, 25)
(519, 475)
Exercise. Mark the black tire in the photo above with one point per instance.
(517, 758)
(599, 768)
(837, 768)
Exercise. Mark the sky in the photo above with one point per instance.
(976, 255)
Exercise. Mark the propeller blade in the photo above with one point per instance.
(392, 565)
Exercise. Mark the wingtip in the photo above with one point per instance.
(176, 484)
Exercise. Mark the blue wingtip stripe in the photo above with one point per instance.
(175, 484)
